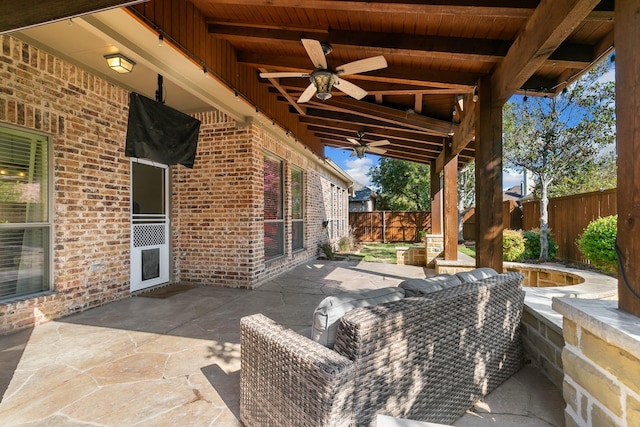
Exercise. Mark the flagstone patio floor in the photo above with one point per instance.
(175, 361)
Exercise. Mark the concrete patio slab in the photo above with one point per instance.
(176, 361)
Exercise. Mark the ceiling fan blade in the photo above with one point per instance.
(278, 75)
(350, 89)
(353, 141)
(353, 153)
(376, 150)
(315, 52)
(307, 94)
(362, 66)
(378, 143)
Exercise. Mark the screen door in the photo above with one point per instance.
(149, 224)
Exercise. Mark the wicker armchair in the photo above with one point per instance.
(423, 358)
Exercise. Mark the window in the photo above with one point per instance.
(25, 223)
(297, 209)
(273, 208)
(338, 212)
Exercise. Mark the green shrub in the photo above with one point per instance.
(345, 244)
(532, 244)
(512, 245)
(328, 250)
(597, 243)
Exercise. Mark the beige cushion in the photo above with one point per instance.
(326, 316)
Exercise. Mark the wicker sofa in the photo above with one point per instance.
(426, 357)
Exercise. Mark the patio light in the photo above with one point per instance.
(323, 80)
(119, 63)
(360, 150)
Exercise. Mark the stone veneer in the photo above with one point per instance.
(434, 244)
(216, 207)
(411, 255)
(601, 359)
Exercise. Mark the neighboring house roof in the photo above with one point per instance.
(363, 195)
(513, 193)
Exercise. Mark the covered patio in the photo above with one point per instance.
(451, 67)
(174, 359)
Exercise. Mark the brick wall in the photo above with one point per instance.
(216, 208)
(86, 120)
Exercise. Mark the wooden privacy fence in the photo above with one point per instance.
(511, 218)
(387, 226)
(569, 216)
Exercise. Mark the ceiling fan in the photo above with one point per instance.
(323, 78)
(360, 147)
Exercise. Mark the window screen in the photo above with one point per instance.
(273, 207)
(297, 209)
(25, 227)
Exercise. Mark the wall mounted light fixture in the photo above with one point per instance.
(120, 63)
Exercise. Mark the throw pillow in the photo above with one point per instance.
(326, 316)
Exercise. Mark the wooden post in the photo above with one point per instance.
(450, 207)
(436, 200)
(627, 36)
(488, 179)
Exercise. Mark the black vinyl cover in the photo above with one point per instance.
(160, 133)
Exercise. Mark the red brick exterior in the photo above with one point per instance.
(216, 207)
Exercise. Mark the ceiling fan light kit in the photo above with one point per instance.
(360, 151)
(323, 81)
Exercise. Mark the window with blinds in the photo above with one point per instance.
(297, 209)
(25, 224)
(273, 208)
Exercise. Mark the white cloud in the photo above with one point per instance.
(358, 169)
(510, 178)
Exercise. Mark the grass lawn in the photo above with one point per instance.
(468, 250)
(382, 252)
(386, 252)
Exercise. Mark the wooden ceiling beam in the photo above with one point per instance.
(408, 119)
(326, 114)
(467, 128)
(551, 23)
(397, 44)
(478, 8)
(317, 123)
(381, 43)
(276, 84)
(298, 85)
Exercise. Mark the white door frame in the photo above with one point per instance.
(150, 239)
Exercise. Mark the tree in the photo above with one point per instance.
(466, 194)
(402, 185)
(560, 136)
(599, 175)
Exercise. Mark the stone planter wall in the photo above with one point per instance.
(601, 361)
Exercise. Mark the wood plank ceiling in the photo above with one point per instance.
(436, 53)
